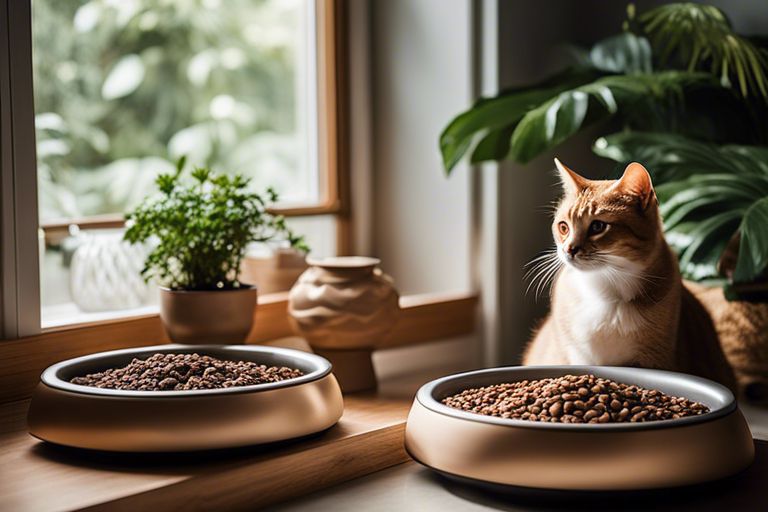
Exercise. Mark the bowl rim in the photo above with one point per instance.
(425, 397)
(50, 376)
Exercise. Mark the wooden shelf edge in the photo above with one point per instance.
(423, 318)
(34, 476)
(278, 479)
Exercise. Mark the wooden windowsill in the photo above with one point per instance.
(423, 318)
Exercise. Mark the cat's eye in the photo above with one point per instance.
(562, 226)
(597, 227)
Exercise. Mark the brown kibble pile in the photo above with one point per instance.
(574, 399)
(177, 372)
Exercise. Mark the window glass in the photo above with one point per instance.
(124, 87)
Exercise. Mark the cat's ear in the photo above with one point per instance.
(636, 181)
(572, 182)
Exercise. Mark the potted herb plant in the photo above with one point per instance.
(199, 229)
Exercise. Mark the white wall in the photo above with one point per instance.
(421, 77)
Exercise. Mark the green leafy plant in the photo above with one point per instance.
(690, 98)
(200, 228)
(674, 72)
(701, 37)
(708, 195)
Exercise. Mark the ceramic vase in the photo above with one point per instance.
(105, 273)
(344, 307)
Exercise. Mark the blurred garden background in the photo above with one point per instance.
(124, 87)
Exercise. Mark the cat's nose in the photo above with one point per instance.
(572, 250)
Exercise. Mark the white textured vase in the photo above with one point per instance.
(344, 307)
(105, 274)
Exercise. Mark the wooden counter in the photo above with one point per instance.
(35, 476)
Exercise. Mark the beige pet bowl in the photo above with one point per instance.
(171, 421)
(524, 455)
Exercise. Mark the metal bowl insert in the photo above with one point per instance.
(591, 457)
(172, 421)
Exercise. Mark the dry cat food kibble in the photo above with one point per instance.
(574, 399)
(177, 372)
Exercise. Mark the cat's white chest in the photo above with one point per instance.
(604, 325)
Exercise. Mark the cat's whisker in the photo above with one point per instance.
(610, 262)
(539, 263)
(544, 278)
(538, 274)
(540, 266)
(548, 208)
(544, 255)
(534, 278)
(536, 268)
(552, 274)
(541, 278)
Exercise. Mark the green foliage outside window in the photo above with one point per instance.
(123, 88)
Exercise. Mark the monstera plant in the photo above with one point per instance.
(690, 99)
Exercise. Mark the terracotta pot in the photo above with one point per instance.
(344, 307)
(274, 274)
(208, 317)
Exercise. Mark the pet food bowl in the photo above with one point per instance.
(171, 421)
(532, 456)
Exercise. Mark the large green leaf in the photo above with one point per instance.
(709, 190)
(624, 53)
(708, 240)
(707, 255)
(700, 214)
(494, 120)
(753, 249)
(551, 123)
(494, 145)
(499, 114)
(671, 156)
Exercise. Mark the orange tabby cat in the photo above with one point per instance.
(618, 298)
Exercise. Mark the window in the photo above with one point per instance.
(122, 88)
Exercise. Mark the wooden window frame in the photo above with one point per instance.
(19, 253)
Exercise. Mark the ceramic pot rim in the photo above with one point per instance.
(344, 262)
(321, 368)
(722, 401)
(244, 287)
